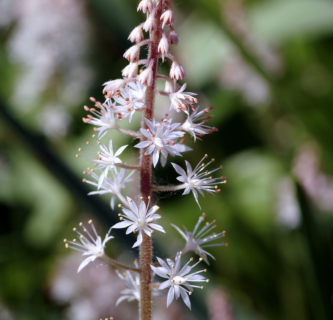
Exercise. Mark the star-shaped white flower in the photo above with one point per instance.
(112, 185)
(103, 119)
(200, 128)
(139, 219)
(178, 279)
(125, 102)
(161, 137)
(91, 244)
(107, 160)
(180, 99)
(198, 239)
(132, 282)
(199, 179)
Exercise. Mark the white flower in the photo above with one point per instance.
(91, 245)
(178, 279)
(113, 85)
(167, 17)
(145, 6)
(138, 92)
(180, 99)
(199, 179)
(130, 71)
(132, 54)
(113, 185)
(104, 119)
(126, 103)
(107, 160)
(177, 71)
(136, 35)
(146, 76)
(132, 282)
(200, 128)
(161, 137)
(139, 219)
(197, 239)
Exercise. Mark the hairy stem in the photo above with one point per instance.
(146, 175)
(118, 264)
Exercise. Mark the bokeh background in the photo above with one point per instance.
(266, 67)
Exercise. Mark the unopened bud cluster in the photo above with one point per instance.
(155, 140)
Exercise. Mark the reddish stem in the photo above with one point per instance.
(146, 175)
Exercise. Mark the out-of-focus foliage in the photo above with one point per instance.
(266, 67)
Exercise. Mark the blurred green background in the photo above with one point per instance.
(266, 67)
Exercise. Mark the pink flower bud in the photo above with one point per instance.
(150, 24)
(113, 85)
(132, 54)
(167, 18)
(146, 76)
(177, 72)
(130, 71)
(168, 87)
(145, 6)
(172, 37)
(163, 46)
(136, 35)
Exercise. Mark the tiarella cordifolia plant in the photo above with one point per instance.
(156, 140)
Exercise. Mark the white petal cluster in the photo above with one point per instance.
(161, 138)
(198, 239)
(132, 282)
(199, 179)
(180, 99)
(107, 160)
(91, 244)
(103, 119)
(127, 101)
(112, 185)
(178, 278)
(196, 121)
(139, 218)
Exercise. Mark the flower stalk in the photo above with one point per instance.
(158, 140)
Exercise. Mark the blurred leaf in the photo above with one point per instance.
(281, 20)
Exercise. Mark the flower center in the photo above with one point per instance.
(179, 280)
(141, 223)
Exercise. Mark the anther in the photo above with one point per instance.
(74, 229)
(84, 180)
(80, 224)
(65, 240)
(119, 205)
(119, 214)
(207, 280)
(190, 293)
(201, 287)
(79, 149)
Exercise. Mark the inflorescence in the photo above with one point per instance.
(156, 140)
